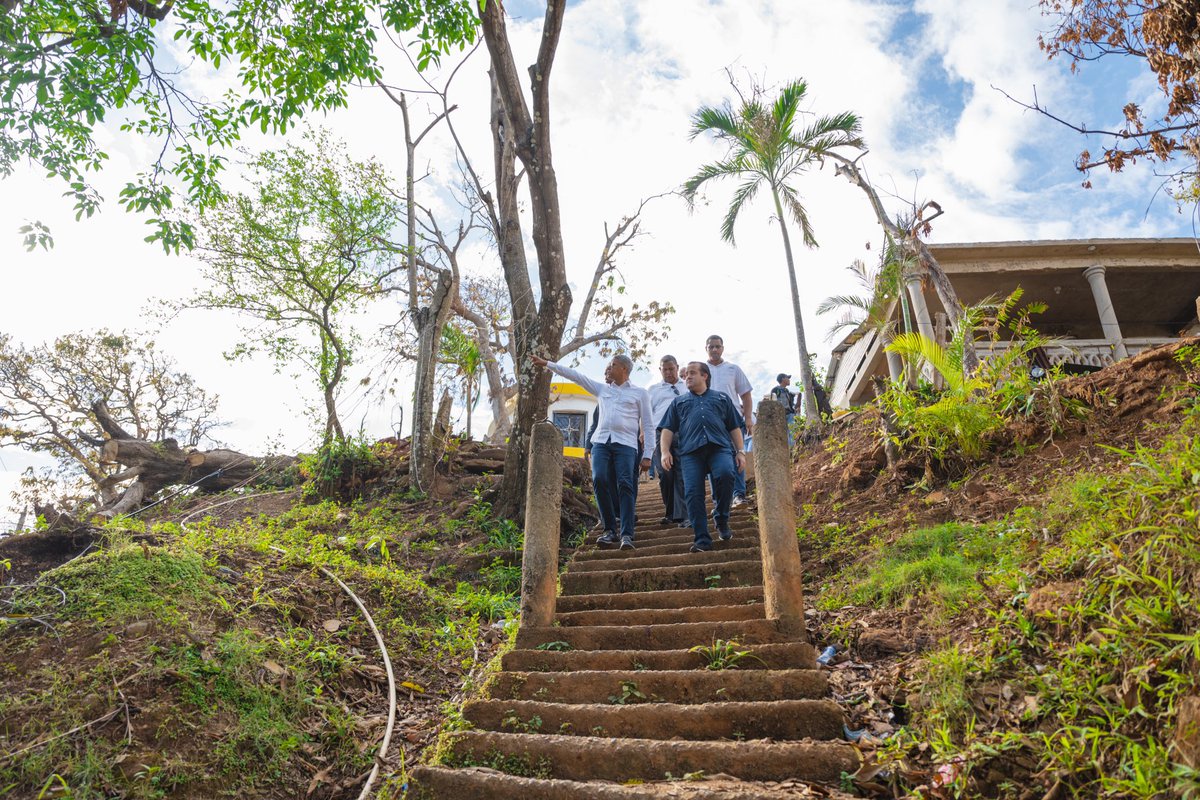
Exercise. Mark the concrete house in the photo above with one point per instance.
(1106, 299)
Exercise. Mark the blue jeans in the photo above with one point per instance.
(614, 478)
(791, 437)
(715, 460)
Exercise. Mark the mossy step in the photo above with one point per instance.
(679, 556)
(665, 546)
(734, 572)
(745, 526)
(595, 758)
(671, 598)
(677, 636)
(780, 720)
(662, 616)
(442, 783)
(788, 655)
(684, 687)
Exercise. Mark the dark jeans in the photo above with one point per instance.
(614, 478)
(715, 460)
(739, 477)
(670, 486)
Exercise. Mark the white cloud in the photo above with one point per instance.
(627, 77)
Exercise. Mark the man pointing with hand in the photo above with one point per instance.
(624, 416)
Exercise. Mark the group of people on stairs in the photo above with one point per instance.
(691, 430)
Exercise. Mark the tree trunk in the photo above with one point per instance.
(333, 425)
(491, 369)
(908, 239)
(812, 414)
(430, 320)
(469, 408)
(527, 136)
(153, 466)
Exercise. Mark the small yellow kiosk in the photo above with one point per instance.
(571, 408)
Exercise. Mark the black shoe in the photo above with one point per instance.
(700, 548)
(626, 542)
(683, 523)
(608, 539)
(665, 521)
(725, 534)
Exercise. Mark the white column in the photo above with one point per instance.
(1104, 306)
(921, 311)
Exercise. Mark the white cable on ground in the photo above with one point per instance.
(383, 652)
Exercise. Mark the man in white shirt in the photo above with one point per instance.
(670, 481)
(729, 379)
(624, 417)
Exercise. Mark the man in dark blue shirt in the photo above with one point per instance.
(709, 432)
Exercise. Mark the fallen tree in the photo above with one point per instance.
(155, 465)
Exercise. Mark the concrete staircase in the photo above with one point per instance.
(609, 702)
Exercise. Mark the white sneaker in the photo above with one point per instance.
(738, 499)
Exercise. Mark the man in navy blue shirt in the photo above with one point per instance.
(709, 431)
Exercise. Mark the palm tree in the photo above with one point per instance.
(462, 352)
(768, 148)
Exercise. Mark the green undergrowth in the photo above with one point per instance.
(949, 566)
(204, 662)
(1075, 636)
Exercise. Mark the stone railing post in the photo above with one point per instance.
(783, 584)
(543, 514)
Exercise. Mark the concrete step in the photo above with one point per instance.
(736, 524)
(468, 783)
(665, 547)
(662, 616)
(684, 687)
(735, 572)
(622, 760)
(788, 655)
(675, 598)
(679, 636)
(779, 720)
(679, 556)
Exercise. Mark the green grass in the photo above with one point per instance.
(1094, 686)
(223, 606)
(949, 565)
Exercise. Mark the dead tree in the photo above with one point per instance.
(910, 240)
(154, 466)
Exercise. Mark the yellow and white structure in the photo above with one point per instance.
(571, 408)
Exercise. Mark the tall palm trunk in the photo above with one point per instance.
(812, 415)
(469, 387)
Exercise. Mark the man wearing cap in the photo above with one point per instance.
(786, 399)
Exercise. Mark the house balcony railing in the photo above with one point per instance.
(1088, 352)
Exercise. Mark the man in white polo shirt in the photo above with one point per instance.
(729, 379)
(624, 416)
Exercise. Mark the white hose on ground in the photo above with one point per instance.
(383, 652)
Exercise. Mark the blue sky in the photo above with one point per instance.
(627, 78)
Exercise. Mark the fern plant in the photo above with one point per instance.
(959, 420)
